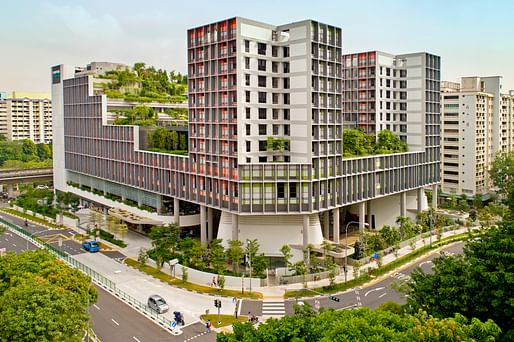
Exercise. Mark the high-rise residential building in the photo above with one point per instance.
(477, 123)
(26, 116)
(265, 140)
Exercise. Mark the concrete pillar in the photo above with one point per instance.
(326, 223)
(403, 204)
(305, 230)
(203, 221)
(235, 227)
(209, 225)
(176, 211)
(140, 228)
(335, 225)
(362, 213)
(420, 196)
(434, 196)
(369, 214)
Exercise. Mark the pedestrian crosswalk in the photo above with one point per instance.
(273, 307)
(400, 276)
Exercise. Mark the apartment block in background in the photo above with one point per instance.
(26, 116)
(265, 140)
(477, 123)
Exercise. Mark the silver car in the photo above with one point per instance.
(157, 303)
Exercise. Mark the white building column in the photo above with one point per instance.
(434, 196)
(362, 213)
(368, 209)
(403, 204)
(420, 196)
(209, 225)
(203, 221)
(235, 227)
(335, 225)
(176, 211)
(326, 223)
(305, 231)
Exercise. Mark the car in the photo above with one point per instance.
(91, 246)
(157, 303)
(42, 187)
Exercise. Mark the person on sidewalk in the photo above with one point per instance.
(214, 282)
(208, 325)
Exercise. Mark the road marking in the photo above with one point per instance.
(372, 290)
(193, 337)
(14, 244)
(115, 321)
(382, 295)
(96, 306)
(349, 306)
(136, 339)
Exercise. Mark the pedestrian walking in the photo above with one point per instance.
(208, 326)
(214, 282)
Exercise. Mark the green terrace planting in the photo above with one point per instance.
(357, 143)
(278, 144)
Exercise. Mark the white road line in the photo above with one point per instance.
(372, 290)
(115, 321)
(136, 339)
(96, 306)
(349, 306)
(14, 244)
(425, 263)
(382, 295)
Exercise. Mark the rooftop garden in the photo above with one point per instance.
(357, 143)
(144, 84)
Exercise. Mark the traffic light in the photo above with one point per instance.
(334, 298)
(217, 303)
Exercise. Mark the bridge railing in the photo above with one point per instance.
(95, 276)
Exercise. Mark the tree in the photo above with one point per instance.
(183, 142)
(357, 143)
(502, 176)
(158, 138)
(259, 264)
(327, 247)
(3, 137)
(390, 235)
(221, 281)
(286, 252)
(43, 151)
(42, 299)
(235, 254)
(29, 149)
(388, 142)
(165, 240)
(174, 140)
(192, 253)
(407, 228)
(217, 256)
(362, 324)
(479, 284)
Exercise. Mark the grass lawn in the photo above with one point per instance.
(188, 286)
(376, 272)
(224, 319)
(30, 217)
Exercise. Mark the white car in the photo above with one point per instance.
(42, 187)
(157, 303)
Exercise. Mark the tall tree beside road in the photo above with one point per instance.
(42, 299)
(235, 253)
(165, 241)
(502, 175)
(479, 284)
(217, 256)
(362, 325)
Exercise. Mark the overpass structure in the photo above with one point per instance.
(16, 176)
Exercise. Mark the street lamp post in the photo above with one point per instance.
(346, 247)
(249, 263)
(430, 225)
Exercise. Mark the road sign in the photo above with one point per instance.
(174, 324)
(173, 262)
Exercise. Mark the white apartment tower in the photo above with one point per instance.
(477, 124)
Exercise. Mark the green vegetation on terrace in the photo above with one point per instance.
(356, 143)
(24, 154)
(145, 84)
(277, 144)
(186, 285)
(138, 116)
(224, 319)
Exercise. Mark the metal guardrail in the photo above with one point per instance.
(97, 278)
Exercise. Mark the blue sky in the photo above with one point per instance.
(473, 37)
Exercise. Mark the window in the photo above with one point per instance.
(286, 67)
(274, 82)
(274, 66)
(285, 51)
(247, 80)
(275, 114)
(286, 83)
(287, 159)
(247, 129)
(247, 62)
(286, 130)
(261, 48)
(403, 73)
(247, 46)
(262, 81)
(247, 95)
(280, 190)
(248, 146)
(286, 99)
(275, 98)
(248, 159)
(247, 112)
(275, 129)
(262, 113)
(261, 64)
(286, 114)
(262, 97)
(262, 145)
(292, 190)
(274, 51)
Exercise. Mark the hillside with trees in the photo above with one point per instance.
(23, 154)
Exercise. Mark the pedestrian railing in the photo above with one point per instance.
(97, 278)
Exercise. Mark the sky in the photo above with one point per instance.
(473, 37)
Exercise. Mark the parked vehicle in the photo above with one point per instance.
(42, 187)
(157, 303)
(91, 246)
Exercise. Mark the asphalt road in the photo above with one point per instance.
(377, 293)
(111, 319)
